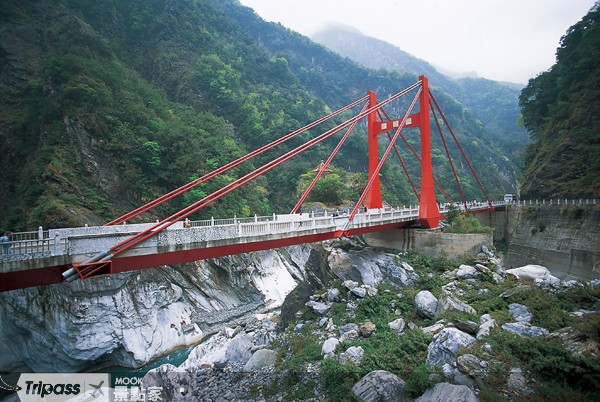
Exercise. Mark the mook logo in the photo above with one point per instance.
(64, 387)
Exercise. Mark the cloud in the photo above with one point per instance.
(504, 40)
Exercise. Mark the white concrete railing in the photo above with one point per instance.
(55, 242)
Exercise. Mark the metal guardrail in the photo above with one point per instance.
(565, 202)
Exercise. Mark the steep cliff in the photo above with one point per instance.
(131, 319)
(561, 109)
(563, 238)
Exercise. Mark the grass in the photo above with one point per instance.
(556, 373)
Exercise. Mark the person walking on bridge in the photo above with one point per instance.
(5, 240)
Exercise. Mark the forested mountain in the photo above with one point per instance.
(494, 104)
(561, 110)
(108, 104)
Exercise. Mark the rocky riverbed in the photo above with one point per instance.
(346, 341)
(356, 324)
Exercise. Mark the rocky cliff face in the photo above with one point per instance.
(563, 238)
(130, 319)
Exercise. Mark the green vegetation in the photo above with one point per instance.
(553, 370)
(558, 108)
(124, 101)
(464, 223)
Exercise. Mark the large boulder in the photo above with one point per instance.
(370, 267)
(576, 342)
(260, 359)
(426, 303)
(444, 392)
(329, 346)
(466, 272)
(318, 307)
(530, 272)
(239, 349)
(518, 382)
(397, 325)
(448, 303)
(445, 344)
(519, 312)
(524, 329)
(379, 386)
(485, 327)
(353, 354)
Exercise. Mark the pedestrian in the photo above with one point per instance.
(5, 240)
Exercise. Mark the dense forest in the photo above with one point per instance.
(494, 104)
(561, 110)
(109, 104)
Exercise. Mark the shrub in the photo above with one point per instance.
(419, 381)
(544, 307)
(339, 379)
(398, 354)
(466, 223)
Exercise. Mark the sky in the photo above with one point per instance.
(502, 40)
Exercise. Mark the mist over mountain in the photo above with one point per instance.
(107, 105)
(494, 104)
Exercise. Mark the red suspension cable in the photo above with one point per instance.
(184, 213)
(326, 164)
(460, 148)
(437, 123)
(175, 193)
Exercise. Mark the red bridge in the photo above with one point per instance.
(78, 253)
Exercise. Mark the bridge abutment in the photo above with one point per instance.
(429, 242)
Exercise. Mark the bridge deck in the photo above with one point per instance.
(35, 262)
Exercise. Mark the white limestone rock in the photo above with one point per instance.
(466, 272)
(353, 354)
(529, 272)
(260, 359)
(129, 319)
(519, 312)
(378, 386)
(426, 303)
(329, 346)
(448, 302)
(444, 392)
(318, 307)
(524, 329)
(445, 344)
(518, 382)
(359, 292)
(349, 336)
(485, 328)
(348, 327)
(370, 267)
(434, 328)
(333, 295)
(397, 325)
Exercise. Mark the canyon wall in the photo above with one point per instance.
(563, 238)
(132, 318)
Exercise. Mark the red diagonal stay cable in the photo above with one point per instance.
(228, 166)
(437, 183)
(159, 227)
(460, 148)
(437, 123)
(383, 159)
(326, 164)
